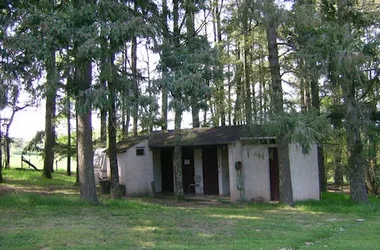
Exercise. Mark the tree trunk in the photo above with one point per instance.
(178, 156)
(356, 158)
(7, 149)
(239, 89)
(1, 150)
(178, 115)
(190, 38)
(68, 169)
(286, 191)
(50, 93)
(247, 70)
(83, 74)
(135, 108)
(315, 103)
(112, 151)
(126, 114)
(103, 127)
(103, 85)
(164, 88)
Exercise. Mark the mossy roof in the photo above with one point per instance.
(197, 136)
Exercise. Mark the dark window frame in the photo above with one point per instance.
(140, 151)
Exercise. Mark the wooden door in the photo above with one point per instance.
(187, 169)
(274, 175)
(167, 170)
(210, 171)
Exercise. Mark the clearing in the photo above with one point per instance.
(37, 213)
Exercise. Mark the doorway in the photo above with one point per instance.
(167, 170)
(274, 175)
(210, 171)
(188, 169)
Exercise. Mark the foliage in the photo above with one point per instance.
(36, 143)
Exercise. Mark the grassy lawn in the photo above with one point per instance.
(36, 213)
(38, 161)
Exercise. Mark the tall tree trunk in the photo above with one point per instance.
(190, 39)
(150, 90)
(103, 126)
(315, 103)
(229, 90)
(247, 69)
(83, 72)
(239, 88)
(164, 88)
(178, 155)
(1, 150)
(68, 169)
(352, 117)
(76, 147)
(126, 114)
(355, 148)
(178, 114)
(135, 108)
(112, 123)
(286, 191)
(103, 85)
(50, 93)
(7, 149)
(248, 96)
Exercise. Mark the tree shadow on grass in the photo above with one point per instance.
(340, 203)
(26, 180)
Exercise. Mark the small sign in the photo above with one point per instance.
(186, 161)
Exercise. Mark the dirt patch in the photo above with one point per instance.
(172, 202)
(338, 189)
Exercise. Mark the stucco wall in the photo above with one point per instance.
(255, 170)
(304, 171)
(157, 169)
(234, 154)
(136, 172)
(223, 170)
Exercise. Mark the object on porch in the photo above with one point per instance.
(197, 180)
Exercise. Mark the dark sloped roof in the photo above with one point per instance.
(129, 142)
(197, 136)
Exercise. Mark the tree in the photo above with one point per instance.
(286, 191)
(82, 17)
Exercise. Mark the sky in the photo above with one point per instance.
(29, 121)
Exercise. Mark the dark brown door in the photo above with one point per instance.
(187, 169)
(210, 171)
(274, 175)
(167, 170)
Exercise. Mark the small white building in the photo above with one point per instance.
(218, 161)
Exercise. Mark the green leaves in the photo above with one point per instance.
(305, 129)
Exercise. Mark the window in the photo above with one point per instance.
(140, 151)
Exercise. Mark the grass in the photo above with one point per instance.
(37, 213)
(38, 161)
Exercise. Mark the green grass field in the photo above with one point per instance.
(36, 213)
(38, 161)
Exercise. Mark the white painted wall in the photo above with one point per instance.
(255, 160)
(223, 170)
(256, 171)
(234, 154)
(136, 172)
(198, 169)
(157, 169)
(304, 171)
